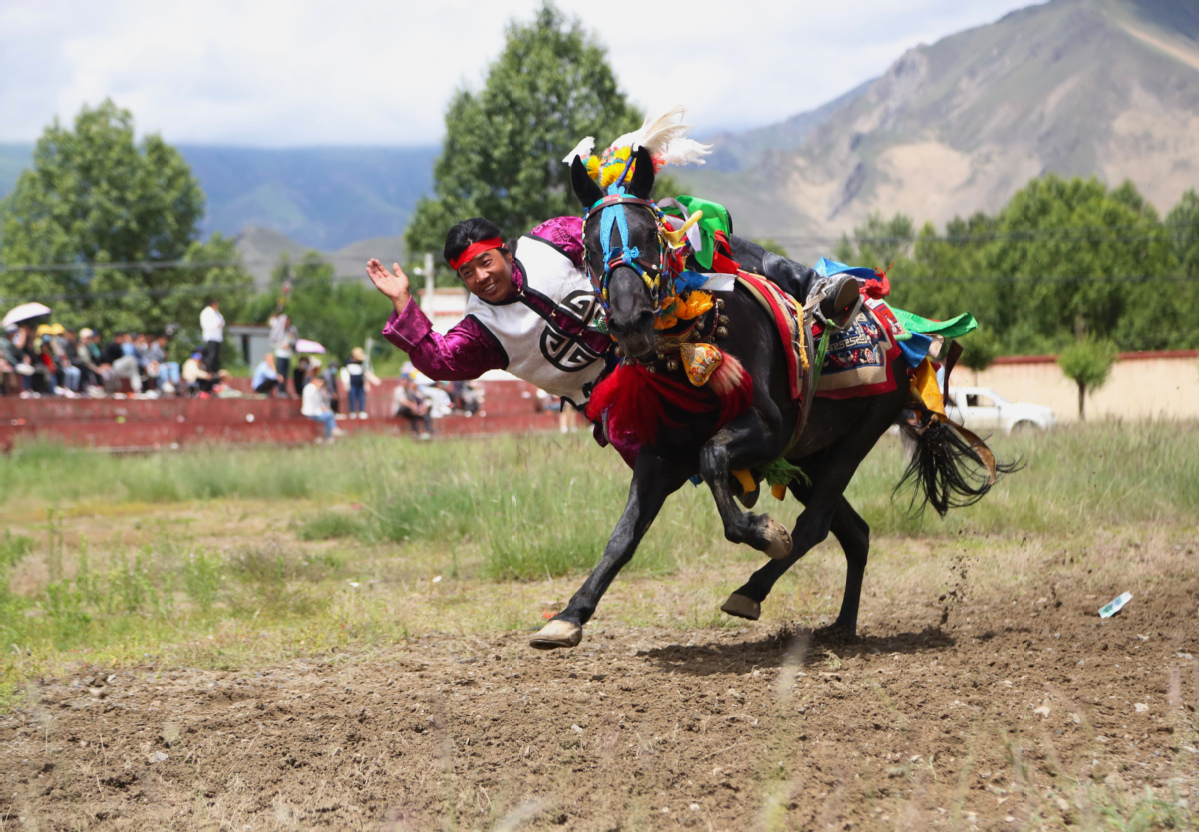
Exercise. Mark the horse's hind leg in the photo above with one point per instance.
(813, 526)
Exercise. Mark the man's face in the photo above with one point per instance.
(489, 275)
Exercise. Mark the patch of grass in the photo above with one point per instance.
(329, 525)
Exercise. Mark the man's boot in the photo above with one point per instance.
(841, 300)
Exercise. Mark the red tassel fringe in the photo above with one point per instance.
(635, 400)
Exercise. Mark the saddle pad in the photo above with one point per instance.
(858, 361)
(788, 318)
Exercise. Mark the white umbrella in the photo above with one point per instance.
(26, 311)
(304, 345)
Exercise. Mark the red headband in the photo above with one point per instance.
(474, 250)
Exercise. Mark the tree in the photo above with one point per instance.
(1183, 224)
(503, 149)
(879, 243)
(339, 315)
(94, 202)
(980, 351)
(1087, 362)
(1069, 248)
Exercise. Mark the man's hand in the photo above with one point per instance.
(393, 286)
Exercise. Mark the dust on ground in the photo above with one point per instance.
(1005, 712)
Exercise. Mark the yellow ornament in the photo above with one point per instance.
(700, 361)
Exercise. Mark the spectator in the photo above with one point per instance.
(45, 364)
(332, 388)
(72, 373)
(299, 375)
(283, 341)
(121, 356)
(22, 345)
(409, 403)
(195, 376)
(212, 331)
(314, 405)
(266, 378)
(10, 380)
(167, 372)
(357, 376)
(87, 359)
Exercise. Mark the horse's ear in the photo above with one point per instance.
(643, 174)
(584, 186)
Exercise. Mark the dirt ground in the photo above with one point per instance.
(999, 713)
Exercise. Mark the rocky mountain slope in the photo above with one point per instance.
(1089, 87)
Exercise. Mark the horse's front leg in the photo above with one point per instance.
(746, 441)
(654, 479)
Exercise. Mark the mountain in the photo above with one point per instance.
(261, 249)
(1108, 88)
(733, 152)
(350, 204)
(322, 197)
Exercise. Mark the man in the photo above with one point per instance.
(265, 377)
(532, 311)
(212, 332)
(283, 341)
(167, 371)
(87, 359)
(407, 402)
(121, 357)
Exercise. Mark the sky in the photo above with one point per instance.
(370, 72)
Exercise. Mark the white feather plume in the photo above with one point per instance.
(666, 138)
(582, 149)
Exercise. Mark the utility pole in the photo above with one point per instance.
(427, 272)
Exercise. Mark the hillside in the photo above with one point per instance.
(1088, 87)
(321, 197)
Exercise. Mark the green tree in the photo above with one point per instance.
(1067, 250)
(94, 199)
(1087, 362)
(338, 314)
(1183, 225)
(879, 243)
(980, 350)
(503, 149)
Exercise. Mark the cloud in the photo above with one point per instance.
(368, 72)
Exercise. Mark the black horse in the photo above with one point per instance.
(837, 436)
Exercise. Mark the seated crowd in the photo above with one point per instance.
(51, 360)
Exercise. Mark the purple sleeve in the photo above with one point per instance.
(566, 233)
(466, 351)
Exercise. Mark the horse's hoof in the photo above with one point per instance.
(742, 607)
(557, 633)
(778, 540)
(837, 634)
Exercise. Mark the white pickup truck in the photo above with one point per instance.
(984, 411)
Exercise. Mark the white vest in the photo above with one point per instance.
(538, 350)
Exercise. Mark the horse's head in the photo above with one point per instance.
(624, 250)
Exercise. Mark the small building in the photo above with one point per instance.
(253, 341)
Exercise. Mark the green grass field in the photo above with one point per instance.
(226, 557)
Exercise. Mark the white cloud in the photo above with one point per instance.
(377, 73)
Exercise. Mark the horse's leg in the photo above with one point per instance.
(654, 479)
(746, 441)
(851, 531)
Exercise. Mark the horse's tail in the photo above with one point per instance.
(951, 466)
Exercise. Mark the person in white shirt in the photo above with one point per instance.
(314, 405)
(212, 331)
